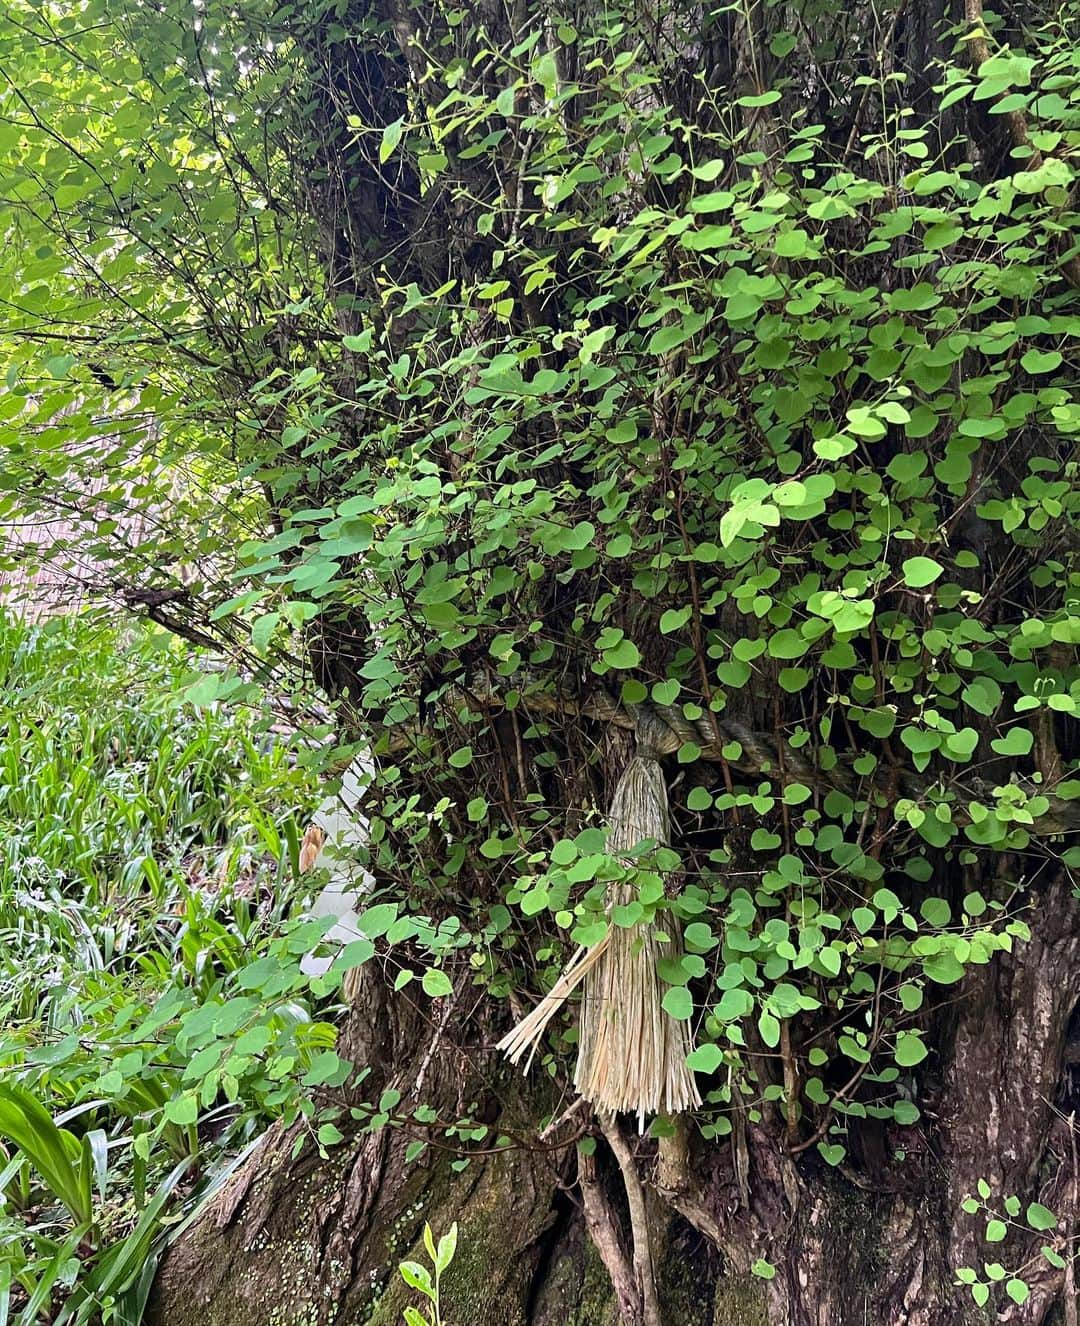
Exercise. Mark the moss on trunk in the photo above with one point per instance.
(502, 1213)
(740, 1301)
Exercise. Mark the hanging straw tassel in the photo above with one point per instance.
(632, 1054)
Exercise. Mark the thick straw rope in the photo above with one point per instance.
(632, 1054)
(715, 735)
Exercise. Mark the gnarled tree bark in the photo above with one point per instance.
(296, 1239)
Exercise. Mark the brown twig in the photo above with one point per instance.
(791, 1085)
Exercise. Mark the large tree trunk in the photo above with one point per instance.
(294, 1238)
(298, 1239)
(757, 1229)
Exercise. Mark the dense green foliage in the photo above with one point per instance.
(147, 853)
(525, 379)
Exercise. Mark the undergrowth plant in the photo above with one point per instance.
(153, 1016)
(428, 1282)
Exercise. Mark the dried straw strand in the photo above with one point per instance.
(529, 1031)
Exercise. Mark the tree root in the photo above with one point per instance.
(676, 1183)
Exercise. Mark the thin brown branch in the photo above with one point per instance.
(604, 1232)
(644, 1269)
